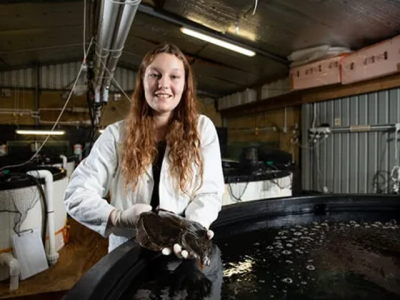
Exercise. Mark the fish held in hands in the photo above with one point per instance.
(156, 230)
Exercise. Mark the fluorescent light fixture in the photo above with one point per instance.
(101, 130)
(217, 42)
(40, 132)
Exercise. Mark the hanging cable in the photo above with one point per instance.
(255, 7)
(59, 116)
(84, 28)
(395, 173)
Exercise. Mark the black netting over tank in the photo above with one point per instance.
(19, 202)
(19, 194)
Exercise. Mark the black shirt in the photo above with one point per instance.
(155, 198)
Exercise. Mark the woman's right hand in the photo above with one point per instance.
(127, 218)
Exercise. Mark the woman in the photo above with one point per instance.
(163, 154)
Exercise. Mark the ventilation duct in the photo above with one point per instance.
(116, 18)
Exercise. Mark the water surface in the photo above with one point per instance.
(319, 260)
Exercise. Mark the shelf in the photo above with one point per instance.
(325, 93)
(286, 100)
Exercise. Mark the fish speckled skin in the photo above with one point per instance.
(162, 229)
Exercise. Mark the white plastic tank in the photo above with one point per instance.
(68, 163)
(22, 207)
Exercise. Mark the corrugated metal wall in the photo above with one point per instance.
(61, 77)
(18, 78)
(351, 162)
(125, 78)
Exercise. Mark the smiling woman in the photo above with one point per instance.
(164, 82)
(163, 155)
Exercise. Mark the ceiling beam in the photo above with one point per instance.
(177, 20)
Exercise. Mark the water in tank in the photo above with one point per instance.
(311, 247)
(316, 260)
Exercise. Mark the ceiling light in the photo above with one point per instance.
(217, 42)
(101, 130)
(40, 132)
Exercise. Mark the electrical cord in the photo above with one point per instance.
(395, 173)
(380, 183)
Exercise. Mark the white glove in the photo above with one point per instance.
(182, 253)
(127, 218)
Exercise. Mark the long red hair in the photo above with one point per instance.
(139, 145)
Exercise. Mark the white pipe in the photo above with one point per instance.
(105, 94)
(29, 111)
(53, 255)
(17, 110)
(53, 109)
(80, 109)
(7, 259)
(14, 113)
(82, 122)
(72, 109)
(64, 161)
(97, 95)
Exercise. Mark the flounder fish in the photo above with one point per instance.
(159, 229)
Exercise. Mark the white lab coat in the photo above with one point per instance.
(100, 173)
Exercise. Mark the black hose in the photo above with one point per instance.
(42, 193)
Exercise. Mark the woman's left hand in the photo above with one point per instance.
(182, 253)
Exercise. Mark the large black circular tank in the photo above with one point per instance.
(288, 248)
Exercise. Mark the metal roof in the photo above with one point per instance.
(44, 32)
